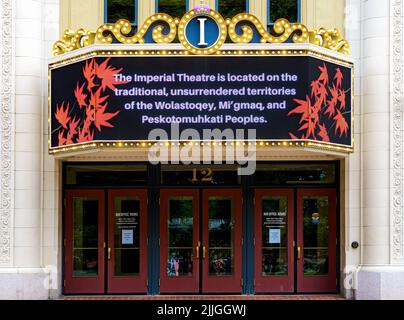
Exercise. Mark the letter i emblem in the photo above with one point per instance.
(202, 41)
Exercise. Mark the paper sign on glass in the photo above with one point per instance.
(127, 236)
(274, 236)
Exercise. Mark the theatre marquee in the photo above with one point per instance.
(115, 95)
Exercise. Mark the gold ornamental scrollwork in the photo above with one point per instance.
(329, 39)
(73, 40)
(282, 30)
(241, 29)
(122, 30)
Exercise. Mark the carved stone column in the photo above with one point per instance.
(381, 273)
(6, 131)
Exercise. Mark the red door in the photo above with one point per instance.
(274, 235)
(222, 241)
(127, 241)
(179, 241)
(316, 240)
(84, 242)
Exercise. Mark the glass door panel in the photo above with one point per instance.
(317, 240)
(274, 241)
(180, 225)
(222, 243)
(221, 236)
(180, 246)
(84, 242)
(127, 241)
(85, 237)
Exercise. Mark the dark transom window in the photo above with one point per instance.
(230, 8)
(288, 9)
(175, 8)
(121, 9)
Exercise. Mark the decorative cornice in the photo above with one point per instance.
(397, 234)
(242, 29)
(6, 132)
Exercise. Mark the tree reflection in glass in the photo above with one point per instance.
(180, 236)
(221, 236)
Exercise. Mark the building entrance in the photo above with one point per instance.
(137, 229)
(295, 240)
(105, 241)
(201, 241)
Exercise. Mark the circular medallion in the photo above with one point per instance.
(202, 32)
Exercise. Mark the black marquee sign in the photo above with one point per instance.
(118, 99)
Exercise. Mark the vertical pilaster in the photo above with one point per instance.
(7, 105)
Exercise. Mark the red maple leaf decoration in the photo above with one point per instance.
(89, 73)
(81, 129)
(108, 75)
(322, 110)
(80, 96)
(323, 134)
(61, 138)
(341, 124)
(338, 77)
(324, 74)
(315, 86)
(342, 99)
(303, 108)
(102, 118)
(62, 115)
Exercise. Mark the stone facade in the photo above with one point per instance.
(371, 192)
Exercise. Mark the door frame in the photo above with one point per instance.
(127, 284)
(223, 284)
(182, 284)
(318, 284)
(83, 285)
(274, 284)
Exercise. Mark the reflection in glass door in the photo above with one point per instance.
(222, 242)
(179, 241)
(316, 247)
(84, 241)
(127, 247)
(274, 268)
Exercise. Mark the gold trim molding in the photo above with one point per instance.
(166, 29)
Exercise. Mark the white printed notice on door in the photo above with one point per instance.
(127, 236)
(274, 236)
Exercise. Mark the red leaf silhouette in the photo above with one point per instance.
(324, 74)
(96, 100)
(81, 127)
(89, 73)
(85, 136)
(315, 86)
(303, 108)
(342, 99)
(73, 126)
(322, 91)
(323, 134)
(338, 77)
(341, 124)
(292, 136)
(61, 138)
(102, 118)
(332, 104)
(107, 75)
(80, 96)
(62, 116)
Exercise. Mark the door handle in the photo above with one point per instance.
(197, 252)
(298, 253)
(204, 252)
(109, 253)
